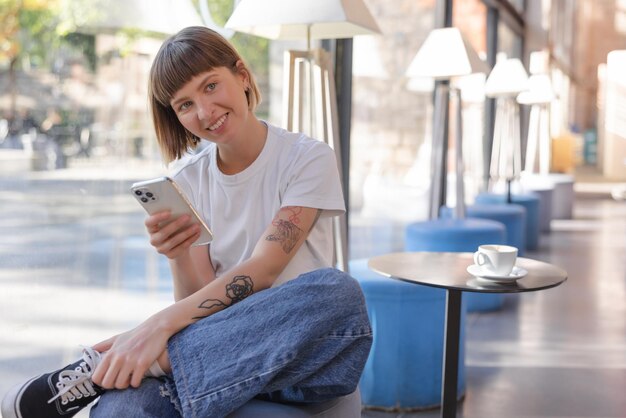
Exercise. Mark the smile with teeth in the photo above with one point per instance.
(218, 123)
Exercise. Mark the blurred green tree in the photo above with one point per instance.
(31, 34)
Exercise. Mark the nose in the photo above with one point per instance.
(205, 110)
(202, 112)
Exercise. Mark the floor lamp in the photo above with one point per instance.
(538, 96)
(309, 98)
(505, 82)
(445, 55)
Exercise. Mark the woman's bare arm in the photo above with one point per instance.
(130, 354)
(191, 271)
(276, 247)
(191, 266)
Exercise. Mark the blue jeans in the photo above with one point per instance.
(305, 341)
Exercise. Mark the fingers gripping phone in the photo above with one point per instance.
(164, 194)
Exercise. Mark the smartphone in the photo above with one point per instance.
(163, 193)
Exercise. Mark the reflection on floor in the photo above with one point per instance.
(560, 352)
(74, 261)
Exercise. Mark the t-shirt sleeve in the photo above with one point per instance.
(314, 180)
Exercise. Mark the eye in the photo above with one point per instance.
(184, 105)
(211, 86)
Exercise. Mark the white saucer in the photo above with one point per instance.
(516, 273)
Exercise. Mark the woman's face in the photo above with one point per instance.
(213, 105)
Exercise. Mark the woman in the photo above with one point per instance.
(259, 312)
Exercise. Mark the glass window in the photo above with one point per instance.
(518, 5)
(509, 42)
(471, 17)
(76, 266)
(391, 125)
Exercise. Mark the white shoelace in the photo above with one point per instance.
(76, 384)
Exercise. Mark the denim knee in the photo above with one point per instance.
(343, 284)
(333, 297)
(151, 399)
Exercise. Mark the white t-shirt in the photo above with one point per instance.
(291, 170)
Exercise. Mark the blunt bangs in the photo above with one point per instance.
(183, 57)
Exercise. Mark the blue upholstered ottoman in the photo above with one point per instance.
(404, 369)
(545, 206)
(452, 235)
(563, 196)
(562, 193)
(459, 235)
(512, 216)
(348, 406)
(530, 201)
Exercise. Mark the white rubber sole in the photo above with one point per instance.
(12, 399)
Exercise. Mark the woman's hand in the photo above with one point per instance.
(174, 238)
(129, 355)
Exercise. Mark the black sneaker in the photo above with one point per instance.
(61, 393)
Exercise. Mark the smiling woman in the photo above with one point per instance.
(261, 303)
(187, 64)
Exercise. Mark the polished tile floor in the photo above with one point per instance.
(560, 352)
(74, 263)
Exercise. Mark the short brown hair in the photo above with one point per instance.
(192, 51)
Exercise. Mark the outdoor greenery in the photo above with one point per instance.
(32, 32)
(46, 46)
(29, 32)
(52, 35)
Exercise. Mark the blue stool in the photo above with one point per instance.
(459, 235)
(563, 196)
(512, 216)
(562, 186)
(348, 406)
(404, 368)
(530, 201)
(545, 194)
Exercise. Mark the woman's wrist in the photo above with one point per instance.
(183, 258)
(182, 266)
(165, 321)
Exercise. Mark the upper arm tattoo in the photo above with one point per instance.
(287, 232)
(240, 288)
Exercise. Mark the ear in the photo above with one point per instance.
(242, 71)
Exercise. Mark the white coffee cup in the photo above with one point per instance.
(497, 260)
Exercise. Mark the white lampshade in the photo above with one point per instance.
(539, 62)
(539, 90)
(159, 16)
(366, 59)
(444, 54)
(615, 66)
(472, 87)
(508, 78)
(293, 19)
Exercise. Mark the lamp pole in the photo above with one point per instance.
(441, 103)
(490, 103)
(343, 80)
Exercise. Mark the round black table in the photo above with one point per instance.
(449, 271)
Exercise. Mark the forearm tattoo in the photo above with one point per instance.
(287, 233)
(240, 288)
